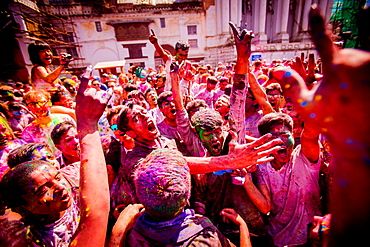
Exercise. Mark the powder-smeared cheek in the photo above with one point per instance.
(289, 141)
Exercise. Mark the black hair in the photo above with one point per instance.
(33, 50)
(195, 104)
(274, 86)
(207, 118)
(212, 79)
(14, 106)
(122, 120)
(14, 184)
(23, 153)
(182, 45)
(266, 122)
(163, 97)
(59, 130)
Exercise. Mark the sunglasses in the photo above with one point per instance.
(37, 103)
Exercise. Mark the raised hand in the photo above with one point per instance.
(65, 59)
(256, 152)
(90, 104)
(153, 38)
(242, 41)
(339, 107)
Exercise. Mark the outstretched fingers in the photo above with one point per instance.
(235, 31)
(321, 36)
(85, 77)
(293, 85)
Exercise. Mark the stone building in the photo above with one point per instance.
(113, 30)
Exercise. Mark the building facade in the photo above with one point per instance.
(110, 30)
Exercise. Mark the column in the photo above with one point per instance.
(225, 16)
(235, 9)
(219, 18)
(283, 35)
(298, 17)
(261, 37)
(306, 10)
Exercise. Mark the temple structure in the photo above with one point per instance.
(111, 30)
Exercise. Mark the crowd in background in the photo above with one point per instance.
(218, 155)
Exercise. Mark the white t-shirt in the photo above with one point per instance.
(295, 197)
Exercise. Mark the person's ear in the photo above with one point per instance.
(131, 134)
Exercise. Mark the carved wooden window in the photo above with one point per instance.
(131, 31)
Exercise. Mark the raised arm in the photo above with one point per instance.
(154, 40)
(260, 95)
(176, 92)
(339, 106)
(240, 85)
(232, 215)
(50, 77)
(240, 156)
(94, 194)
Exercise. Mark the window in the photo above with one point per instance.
(131, 31)
(72, 51)
(193, 43)
(98, 26)
(135, 51)
(163, 22)
(68, 37)
(192, 30)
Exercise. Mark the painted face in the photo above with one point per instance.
(95, 84)
(282, 132)
(40, 107)
(142, 124)
(127, 141)
(160, 82)
(67, 100)
(222, 85)
(18, 114)
(47, 155)
(69, 143)
(212, 140)
(5, 135)
(222, 106)
(168, 108)
(211, 86)
(275, 99)
(48, 192)
(46, 56)
(181, 55)
(152, 97)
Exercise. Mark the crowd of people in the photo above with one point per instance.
(240, 154)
